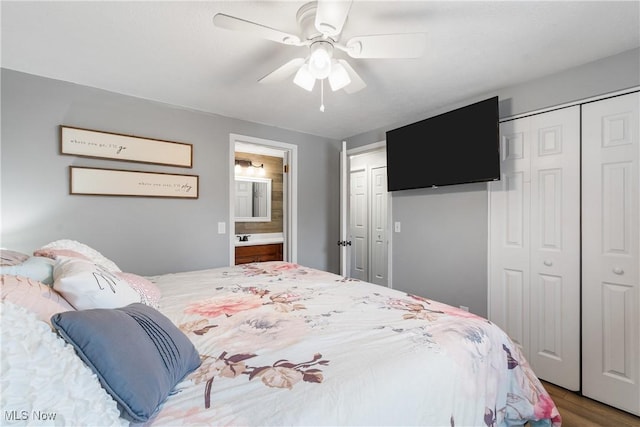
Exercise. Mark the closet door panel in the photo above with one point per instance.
(509, 201)
(611, 254)
(535, 242)
(358, 225)
(555, 247)
(379, 249)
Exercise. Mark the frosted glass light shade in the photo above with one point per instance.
(304, 78)
(339, 77)
(320, 60)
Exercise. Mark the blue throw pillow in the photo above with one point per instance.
(137, 353)
(35, 267)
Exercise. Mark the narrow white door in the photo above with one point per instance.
(611, 254)
(509, 201)
(379, 247)
(344, 208)
(358, 224)
(555, 247)
(244, 199)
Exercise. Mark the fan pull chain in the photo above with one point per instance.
(322, 95)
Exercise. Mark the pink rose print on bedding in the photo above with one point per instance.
(252, 331)
(198, 327)
(446, 309)
(415, 310)
(282, 374)
(545, 408)
(286, 302)
(227, 306)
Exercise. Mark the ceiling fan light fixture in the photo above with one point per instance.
(339, 77)
(304, 78)
(320, 59)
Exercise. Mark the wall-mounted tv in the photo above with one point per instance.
(457, 147)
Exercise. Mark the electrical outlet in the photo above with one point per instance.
(396, 226)
(465, 308)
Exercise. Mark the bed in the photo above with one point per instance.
(282, 344)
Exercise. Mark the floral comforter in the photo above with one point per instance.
(283, 344)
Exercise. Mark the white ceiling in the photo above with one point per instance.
(172, 53)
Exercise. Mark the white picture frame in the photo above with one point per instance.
(107, 145)
(117, 182)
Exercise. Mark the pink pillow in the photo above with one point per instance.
(33, 296)
(55, 253)
(149, 293)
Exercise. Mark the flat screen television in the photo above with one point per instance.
(457, 147)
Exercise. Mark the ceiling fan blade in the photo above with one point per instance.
(283, 72)
(356, 82)
(237, 24)
(331, 16)
(409, 45)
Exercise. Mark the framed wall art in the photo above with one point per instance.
(117, 182)
(107, 145)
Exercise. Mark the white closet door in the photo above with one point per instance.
(611, 255)
(378, 264)
(358, 225)
(534, 238)
(555, 247)
(509, 251)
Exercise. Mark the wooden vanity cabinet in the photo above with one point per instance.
(258, 253)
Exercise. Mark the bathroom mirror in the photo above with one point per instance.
(253, 199)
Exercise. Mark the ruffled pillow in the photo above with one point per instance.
(85, 250)
(149, 293)
(87, 285)
(42, 374)
(33, 296)
(55, 253)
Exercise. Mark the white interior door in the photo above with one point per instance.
(344, 211)
(379, 247)
(358, 224)
(509, 224)
(611, 254)
(365, 242)
(555, 247)
(535, 242)
(243, 199)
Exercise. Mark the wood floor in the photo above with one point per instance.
(579, 411)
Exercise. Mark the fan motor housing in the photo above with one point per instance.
(306, 17)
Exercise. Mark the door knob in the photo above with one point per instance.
(548, 262)
(618, 270)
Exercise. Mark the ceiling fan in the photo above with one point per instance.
(321, 24)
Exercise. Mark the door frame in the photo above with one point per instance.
(344, 207)
(290, 193)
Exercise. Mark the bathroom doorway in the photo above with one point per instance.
(262, 158)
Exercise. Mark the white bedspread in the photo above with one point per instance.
(288, 345)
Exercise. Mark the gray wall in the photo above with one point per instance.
(143, 235)
(441, 252)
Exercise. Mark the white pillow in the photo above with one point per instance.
(86, 285)
(41, 374)
(85, 250)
